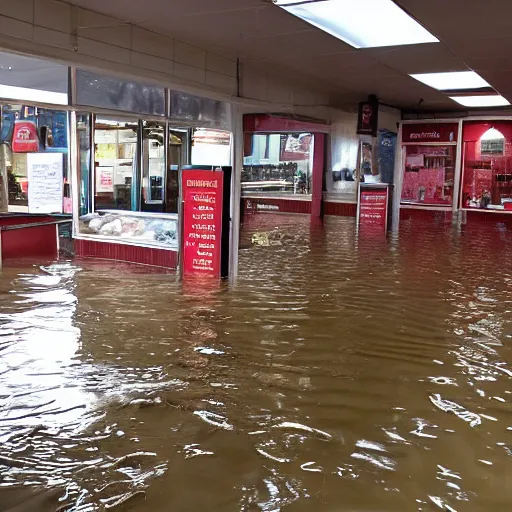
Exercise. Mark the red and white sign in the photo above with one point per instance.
(430, 132)
(25, 139)
(202, 221)
(373, 208)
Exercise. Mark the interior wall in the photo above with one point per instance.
(80, 37)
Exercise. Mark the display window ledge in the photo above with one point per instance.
(291, 197)
(440, 208)
(487, 210)
(128, 242)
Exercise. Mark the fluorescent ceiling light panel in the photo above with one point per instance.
(481, 101)
(361, 23)
(36, 95)
(454, 81)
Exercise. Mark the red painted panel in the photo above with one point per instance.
(340, 209)
(126, 253)
(275, 205)
(430, 132)
(13, 219)
(267, 123)
(474, 216)
(37, 241)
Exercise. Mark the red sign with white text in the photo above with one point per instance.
(373, 209)
(202, 221)
(430, 132)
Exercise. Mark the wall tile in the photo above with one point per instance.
(143, 61)
(53, 38)
(22, 10)
(221, 82)
(15, 28)
(103, 51)
(52, 14)
(189, 73)
(220, 64)
(189, 55)
(144, 41)
(104, 29)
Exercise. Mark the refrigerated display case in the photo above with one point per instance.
(429, 159)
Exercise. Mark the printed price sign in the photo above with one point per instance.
(373, 208)
(202, 221)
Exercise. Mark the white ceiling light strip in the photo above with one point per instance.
(361, 23)
(494, 100)
(452, 81)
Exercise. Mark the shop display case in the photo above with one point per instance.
(487, 166)
(429, 159)
(136, 228)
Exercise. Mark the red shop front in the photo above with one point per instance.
(429, 178)
(486, 188)
(283, 165)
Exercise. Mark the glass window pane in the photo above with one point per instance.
(115, 93)
(153, 163)
(197, 111)
(28, 131)
(211, 147)
(115, 161)
(278, 164)
(429, 175)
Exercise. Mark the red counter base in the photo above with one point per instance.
(442, 216)
(126, 253)
(340, 209)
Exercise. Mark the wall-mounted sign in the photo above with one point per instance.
(202, 221)
(45, 182)
(104, 179)
(368, 118)
(430, 132)
(25, 138)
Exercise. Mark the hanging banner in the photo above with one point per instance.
(368, 118)
(373, 208)
(45, 182)
(202, 192)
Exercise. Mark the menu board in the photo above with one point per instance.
(45, 178)
(373, 208)
(202, 221)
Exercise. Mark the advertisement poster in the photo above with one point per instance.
(386, 156)
(25, 138)
(373, 209)
(295, 147)
(105, 179)
(45, 178)
(202, 221)
(368, 118)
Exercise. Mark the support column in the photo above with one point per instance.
(318, 173)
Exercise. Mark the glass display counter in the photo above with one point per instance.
(135, 228)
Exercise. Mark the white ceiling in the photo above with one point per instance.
(474, 34)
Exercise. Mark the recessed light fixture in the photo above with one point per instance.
(452, 81)
(24, 93)
(361, 23)
(494, 100)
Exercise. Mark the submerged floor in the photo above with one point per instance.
(337, 374)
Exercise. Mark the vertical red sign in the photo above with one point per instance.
(202, 221)
(373, 208)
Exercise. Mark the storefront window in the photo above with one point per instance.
(211, 147)
(34, 160)
(429, 175)
(487, 170)
(115, 163)
(278, 164)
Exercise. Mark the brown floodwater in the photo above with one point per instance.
(337, 373)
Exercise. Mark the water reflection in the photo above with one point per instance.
(337, 373)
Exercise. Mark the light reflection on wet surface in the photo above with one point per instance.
(335, 374)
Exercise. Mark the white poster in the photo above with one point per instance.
(104, 179)
(45, 182)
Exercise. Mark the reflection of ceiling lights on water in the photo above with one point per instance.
(360, 23)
